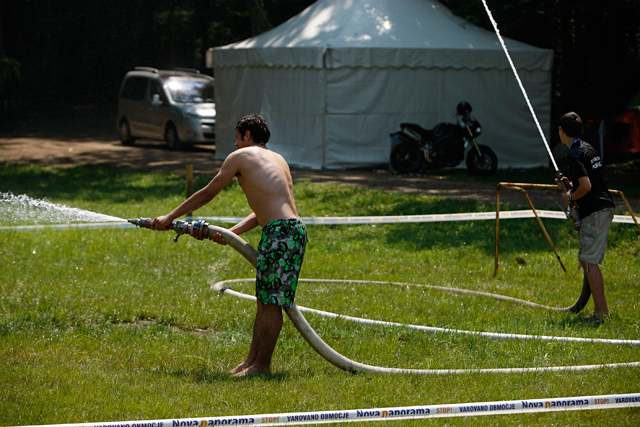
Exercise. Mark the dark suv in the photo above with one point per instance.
(176, 106)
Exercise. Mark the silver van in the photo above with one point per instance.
(176, 106)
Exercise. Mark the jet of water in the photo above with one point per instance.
(25, 209)
(524, 92)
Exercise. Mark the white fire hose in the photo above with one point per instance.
(202, 230)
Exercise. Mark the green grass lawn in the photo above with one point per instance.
(122, 324)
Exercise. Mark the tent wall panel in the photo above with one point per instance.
(295, 119)
(350, 136)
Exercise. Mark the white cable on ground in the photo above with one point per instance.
(223, 288)
(349, 365)
(344, 363)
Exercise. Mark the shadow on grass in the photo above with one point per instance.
(91, 183)
(580, 321)
(63, 122)
(516, 236)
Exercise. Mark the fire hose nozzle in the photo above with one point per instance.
(202, 230)
(572, 213)
(141, 222)
(197, 229)
(560, 178)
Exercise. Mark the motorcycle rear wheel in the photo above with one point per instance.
(406, 158)
(484, 163)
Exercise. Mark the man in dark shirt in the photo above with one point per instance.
(595, 205)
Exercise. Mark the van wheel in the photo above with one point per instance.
(171, 137)
(125, 133)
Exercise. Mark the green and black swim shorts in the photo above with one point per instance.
(280, 254)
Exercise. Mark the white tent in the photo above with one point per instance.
(335, 80)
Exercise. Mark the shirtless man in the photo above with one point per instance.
(266, 181)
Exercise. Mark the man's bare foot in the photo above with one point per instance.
(250, 371)
(241, 367)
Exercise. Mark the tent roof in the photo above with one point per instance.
(379, 33)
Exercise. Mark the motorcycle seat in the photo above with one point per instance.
(424, 133)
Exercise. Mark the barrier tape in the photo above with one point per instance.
(315, 220)
(394, 413)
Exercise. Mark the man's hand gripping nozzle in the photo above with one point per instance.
(196, 229)
(572, 213)
(202, 230)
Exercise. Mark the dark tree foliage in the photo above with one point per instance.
(596, 46)
(76, 51)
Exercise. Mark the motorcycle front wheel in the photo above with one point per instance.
(406, 158)
(484, 163)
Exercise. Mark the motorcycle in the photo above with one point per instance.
(443, 146)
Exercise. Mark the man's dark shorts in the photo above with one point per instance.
(280, 254)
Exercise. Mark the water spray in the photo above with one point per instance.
(524, 92)
(29, 210)
(572, 212)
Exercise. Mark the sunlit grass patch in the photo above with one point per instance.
(107, 325)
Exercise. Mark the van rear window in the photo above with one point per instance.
(134, 88)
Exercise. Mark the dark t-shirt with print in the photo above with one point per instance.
(584, 161)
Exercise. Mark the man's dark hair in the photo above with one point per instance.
(257, 125)
(571, 124)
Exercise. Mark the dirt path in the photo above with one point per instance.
(66, 151)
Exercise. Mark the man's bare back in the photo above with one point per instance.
(264, 177)
(266, 181)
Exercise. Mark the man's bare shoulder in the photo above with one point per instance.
(244, 153)
(254, 156)
(239, 159)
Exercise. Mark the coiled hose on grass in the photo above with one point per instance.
(344, 363)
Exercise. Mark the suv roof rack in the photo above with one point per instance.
(188, 70)
(150, 69)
